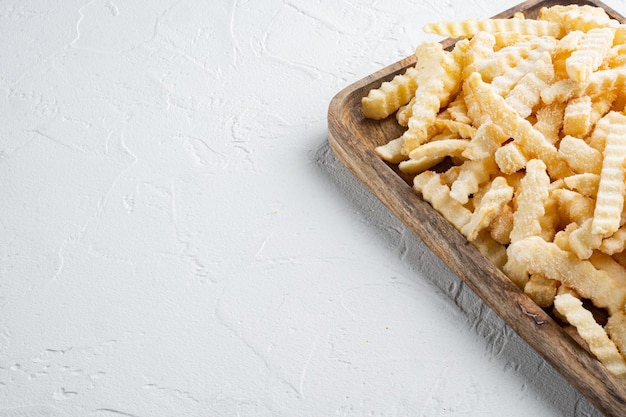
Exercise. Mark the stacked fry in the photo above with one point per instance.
(532, 115)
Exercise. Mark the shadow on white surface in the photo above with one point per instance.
(501, 343)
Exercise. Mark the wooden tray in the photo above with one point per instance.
(353, 138)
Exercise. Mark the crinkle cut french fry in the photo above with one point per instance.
(391, 95)
(559, 92)
(578, 18)
(577, 117)
(616, 243)
(517, 127)
(592, 332)
(616, 329)
(547, 258)
(531, 201)
(440, 148)
(583, 241)
(429, 185)
(527, 92)
(469, 27)
(585, 184)
(486, 140)
(492, 64)
(602, 81)
(439, 76)
(590, 53)
(404, 113)
(541, 290)
(516, 271)
(550, 121)
(490, 249)
(458, 111)
(610, 197)
(473, 174)
(510, 158)
(480, 48)
(520, 66)
(573, 207)
(392, 151)
(498, 194)
(606, 263)
(501, 226)
(580, 157)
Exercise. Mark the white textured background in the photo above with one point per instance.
(177, 239)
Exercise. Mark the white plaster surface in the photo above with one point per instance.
(177, 239)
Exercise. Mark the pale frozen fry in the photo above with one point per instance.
(440, 148)
(620, 257)
(463, 130)
(486, 140)
(438, 79)
(492, 64)
(547, 258)
(469, 27)
(522, 59)
(404, 113)
(601, 105)
(391, 95)
(592, 332)
(616, 329)
(429, 185)
(491, 249)
(501, 226)
(559, 92)
(564, 48)
(541, 290)
(616, 57)
(616, 243)
(602, 81)
(473, 174)
(510, 158)
(578, 18)
(573, 207)
(516, 271)
(498, 194)
(392, 151)
(531, 140)
(474, 110)
(577, 117)
(606, 263)
(480, 49)
(610, 197)
(597, 139)
(458, 110)
(504, 39)
(583, 241)
(531, 201)
(527, 92)
(550, 121)
(585, 184)
(589, 54)
(561, 238)
(580, 157)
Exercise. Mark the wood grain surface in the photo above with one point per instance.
(353, 139)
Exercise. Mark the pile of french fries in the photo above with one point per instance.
(531, 113)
